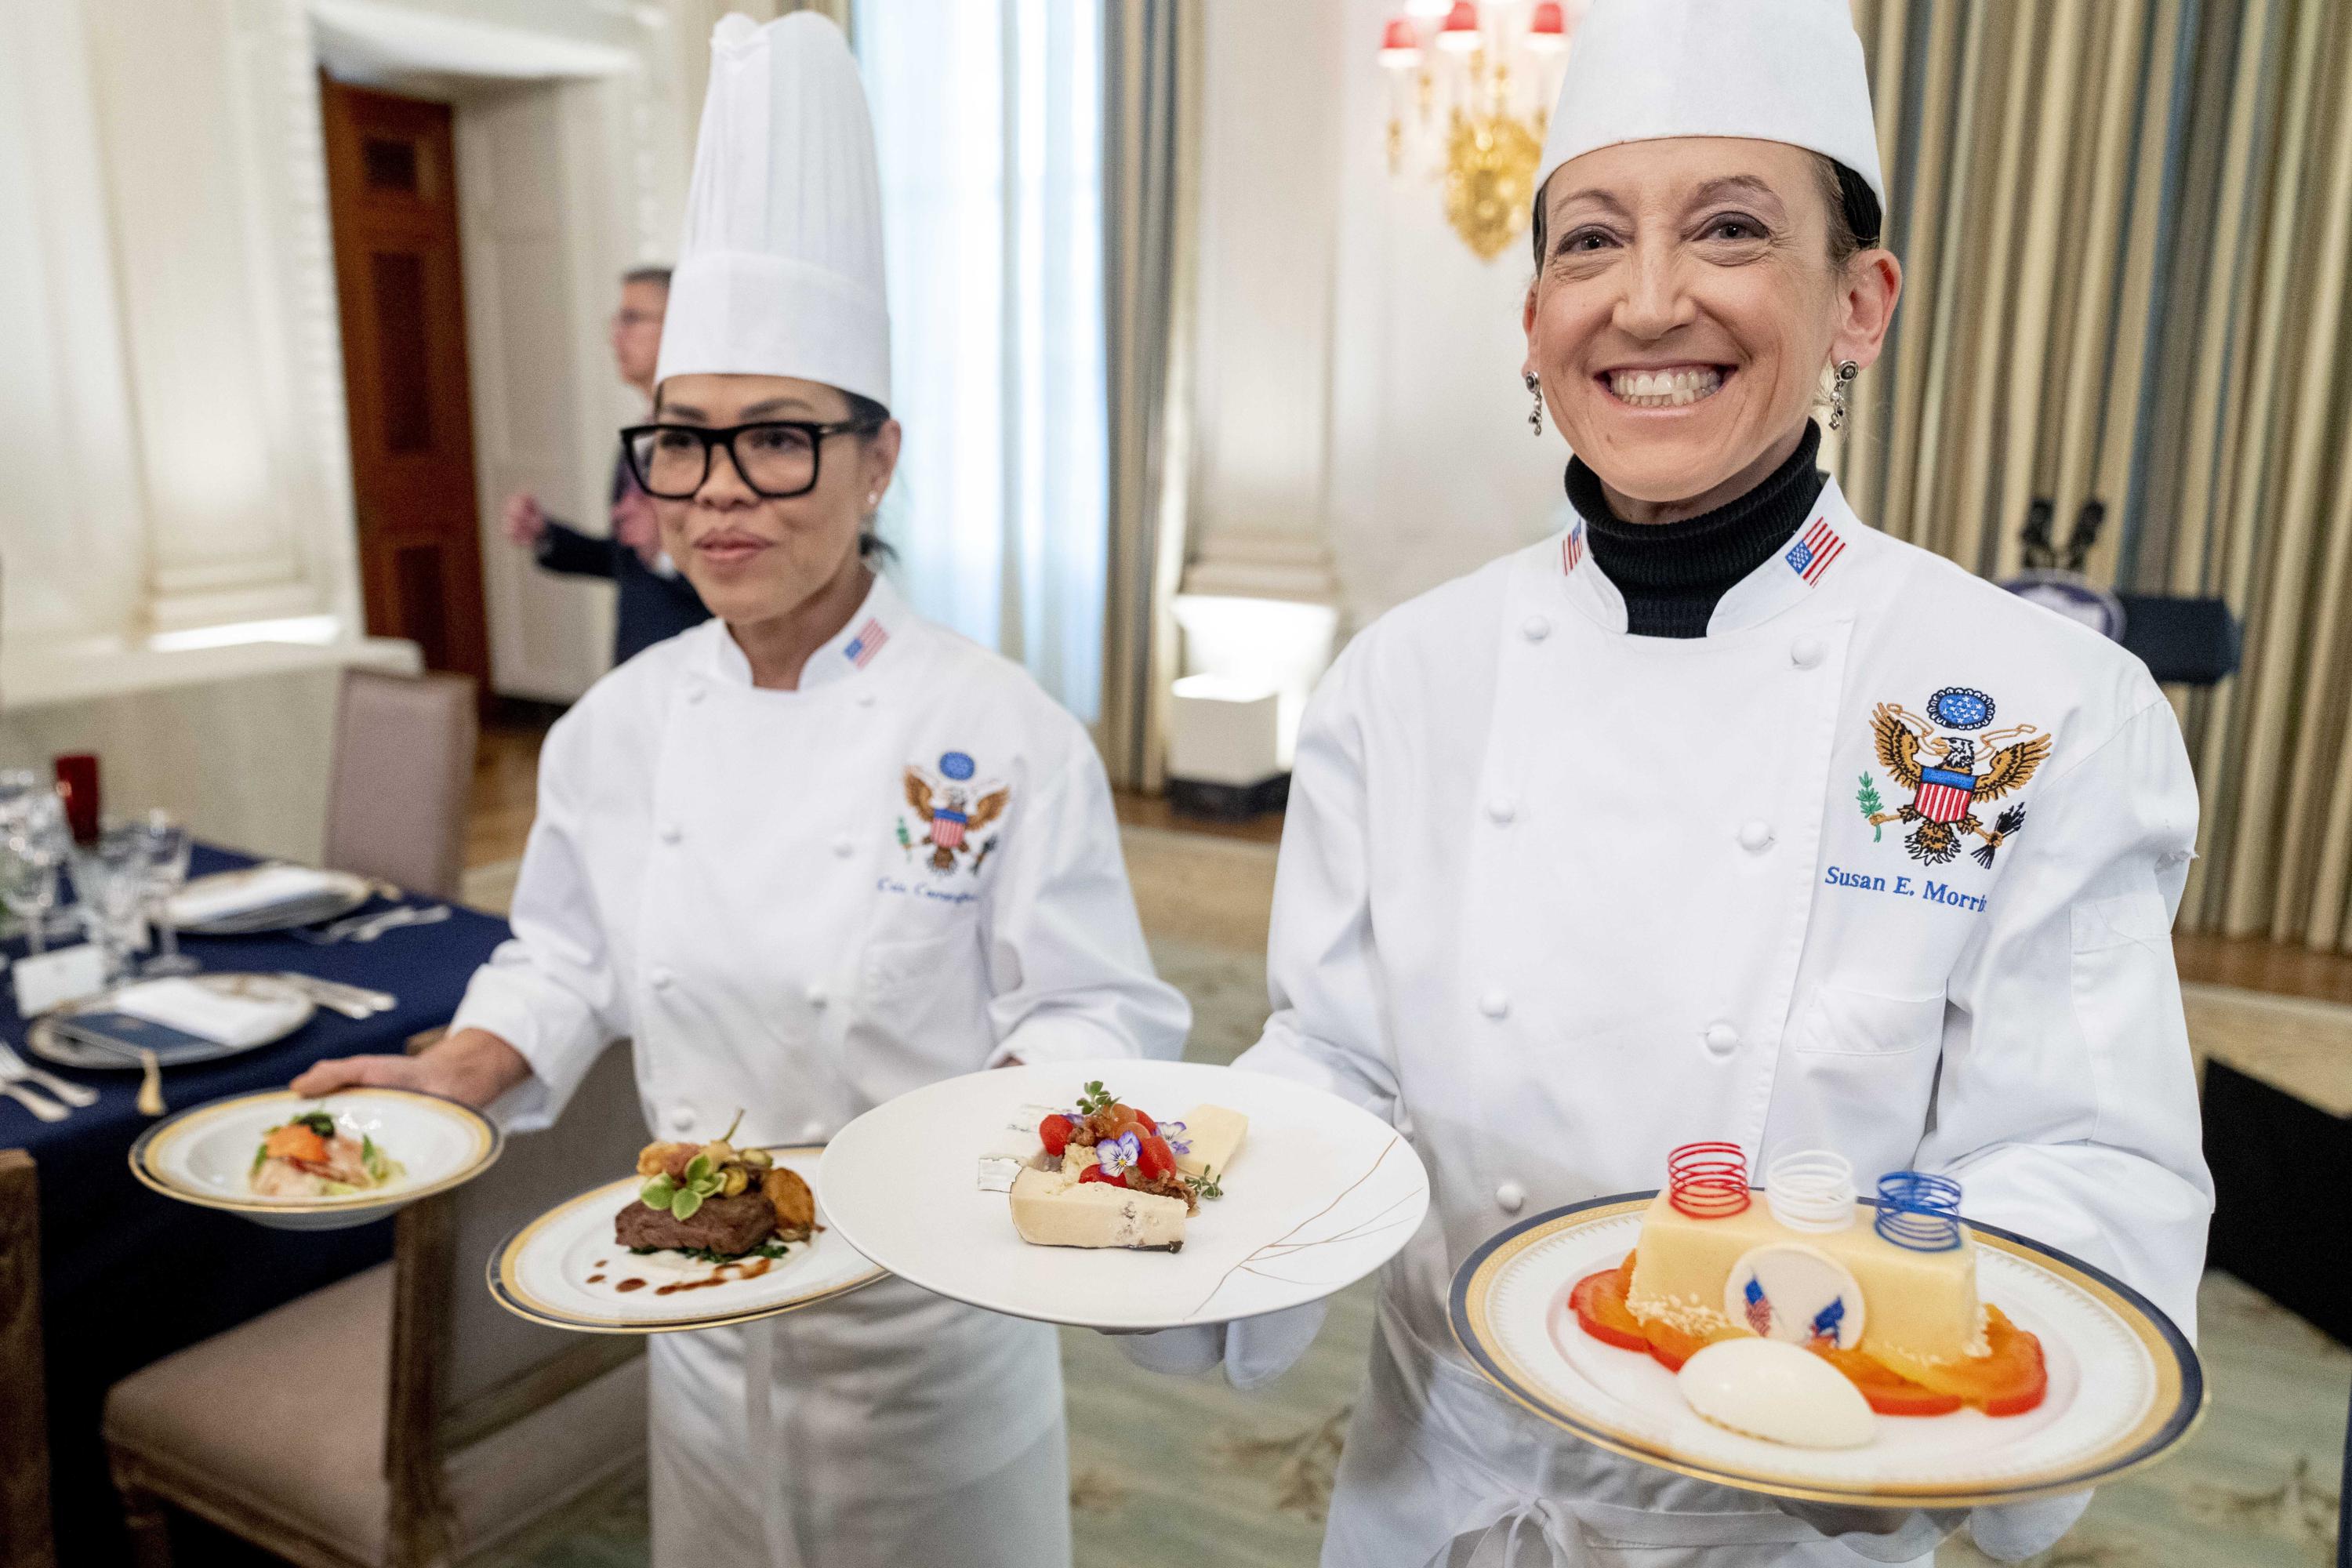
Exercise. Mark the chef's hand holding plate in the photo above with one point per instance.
(472, 1067)
(1253, 1350)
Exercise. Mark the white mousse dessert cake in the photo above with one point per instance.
(1105, 1174)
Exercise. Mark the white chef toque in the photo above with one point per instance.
(780, 271)
(1770, 71)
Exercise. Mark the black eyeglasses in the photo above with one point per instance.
(776, 458)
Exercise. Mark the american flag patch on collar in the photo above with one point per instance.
(1571, 549)
(868, 642)
(1810, 556)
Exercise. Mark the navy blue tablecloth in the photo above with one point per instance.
(129, 1276)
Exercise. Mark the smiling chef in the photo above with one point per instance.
(809, 856)
(1719, 815)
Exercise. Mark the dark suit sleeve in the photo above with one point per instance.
(563, 548)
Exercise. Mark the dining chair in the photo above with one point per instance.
(403, 776)
(400, 1418)
(25, 1538)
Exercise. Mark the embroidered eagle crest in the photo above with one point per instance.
(953, 813)
(1951, 768)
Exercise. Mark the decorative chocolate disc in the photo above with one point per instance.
(1792, 1293)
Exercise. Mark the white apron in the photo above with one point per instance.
(1556, 900)
(801, 905)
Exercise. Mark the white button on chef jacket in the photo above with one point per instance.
(2018, 1023)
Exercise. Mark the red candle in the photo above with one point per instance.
(78, 786)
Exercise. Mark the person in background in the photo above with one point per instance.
(657, 602)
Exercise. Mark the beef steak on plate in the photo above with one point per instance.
(728, 1226)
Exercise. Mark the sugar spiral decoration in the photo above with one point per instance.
(1708, 1180)
(1810, 1189)
(1919, 1211)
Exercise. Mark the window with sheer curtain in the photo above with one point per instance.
(987, 118)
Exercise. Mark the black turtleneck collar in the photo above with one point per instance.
(1672, 573)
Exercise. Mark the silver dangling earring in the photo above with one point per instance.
(1535, 414)
(1846, 371)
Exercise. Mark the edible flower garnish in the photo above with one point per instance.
(1117, 1155)
(1174, 1132)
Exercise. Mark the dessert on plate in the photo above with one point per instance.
(311, 1157)
(1105, 1173)
(715, 1202)
(1883, 1293)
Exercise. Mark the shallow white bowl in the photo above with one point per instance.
(204, 1156)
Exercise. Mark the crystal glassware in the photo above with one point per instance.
(28, 884)
(109, 875)
(167, 847)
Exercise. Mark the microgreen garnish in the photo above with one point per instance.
(1096, 1098)
(683, 1195)
(317, 1121)
(1208, 1185)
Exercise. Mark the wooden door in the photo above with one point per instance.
(392, 180)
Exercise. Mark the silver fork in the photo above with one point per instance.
(17, 1069)
(40, 1105)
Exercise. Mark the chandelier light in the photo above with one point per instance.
(1470, 94)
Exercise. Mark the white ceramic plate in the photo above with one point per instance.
(2125, 1387)
(338, 893)
(564, 1269)
(44, 1040)
(204, 1156)
(1320, 1194)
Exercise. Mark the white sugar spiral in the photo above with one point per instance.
(1811, 1190)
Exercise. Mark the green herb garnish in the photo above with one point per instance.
(1096, 1099)
(1209, 1185)
(317, 1121)
(683, 1195)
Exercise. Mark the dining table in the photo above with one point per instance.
(129, 1276)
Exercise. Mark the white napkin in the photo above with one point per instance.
(268, 887)
(199, 1010)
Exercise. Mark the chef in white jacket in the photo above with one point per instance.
(809, 857)
(1718, 817)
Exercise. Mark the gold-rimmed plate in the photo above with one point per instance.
(205, 1156)
(2126, 1388)
(565, 1270)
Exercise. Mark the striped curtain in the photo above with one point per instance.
(2125, 226)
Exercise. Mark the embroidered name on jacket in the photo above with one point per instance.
(1952, 763)
(953, 814)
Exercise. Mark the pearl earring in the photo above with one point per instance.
(1846, 371)
(1535, 414)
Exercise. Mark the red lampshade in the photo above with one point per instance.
(1399, 38)
(1461, 23)
(1548, 19)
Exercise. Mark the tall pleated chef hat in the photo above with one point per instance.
(780, 271)
(1770, 70)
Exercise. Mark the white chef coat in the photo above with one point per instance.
(802, 904)
(1554, 899)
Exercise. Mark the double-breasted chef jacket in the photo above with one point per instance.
(800, 905)
(1556, 900)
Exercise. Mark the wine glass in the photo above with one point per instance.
(167, 846)
(29, 883)
(110, 876)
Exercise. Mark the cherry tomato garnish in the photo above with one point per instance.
(1054, 1134)
(1095, 1174)
(1154, 1158)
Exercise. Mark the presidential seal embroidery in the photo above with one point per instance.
(952, 813)
(1971, 765)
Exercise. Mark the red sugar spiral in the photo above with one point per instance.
(1708, 1180)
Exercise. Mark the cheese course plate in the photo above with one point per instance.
(565, 1270)
(2125, 1387)
(1319, 1194)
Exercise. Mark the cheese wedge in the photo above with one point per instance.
(1215, 1135)
(1050, 1212)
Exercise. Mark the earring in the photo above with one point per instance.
(1535, 414)
(1846, 371)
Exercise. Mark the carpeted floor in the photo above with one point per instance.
(1244, 1481)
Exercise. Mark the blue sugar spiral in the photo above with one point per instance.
(1919, 1211)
